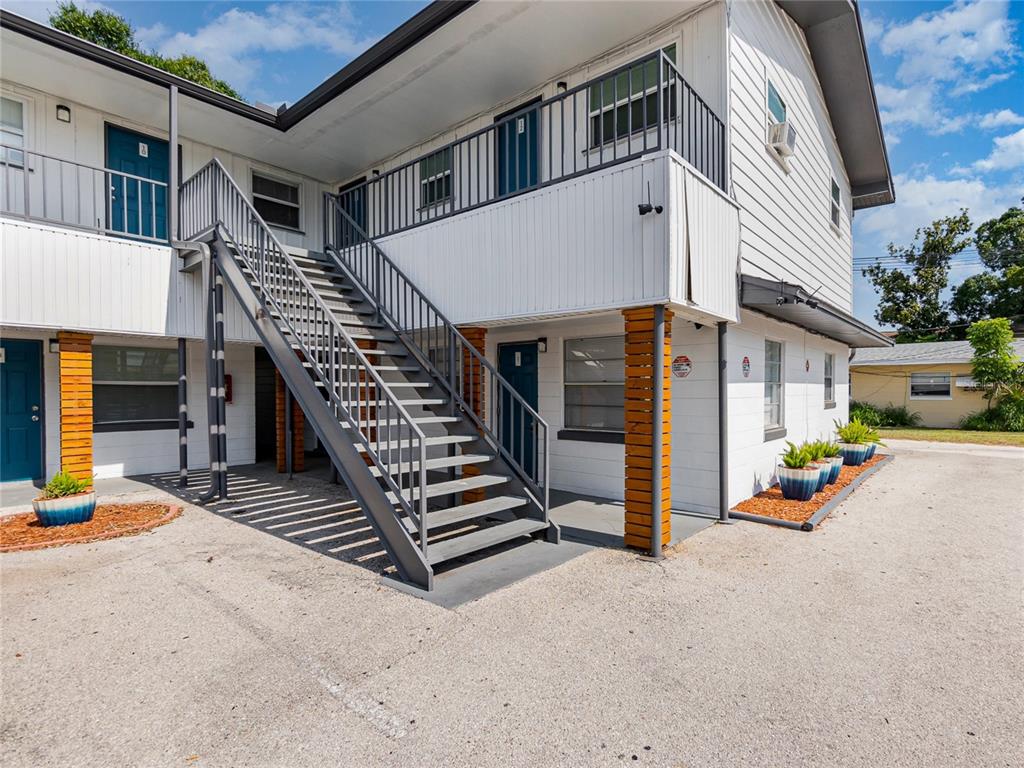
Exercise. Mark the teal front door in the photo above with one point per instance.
(138, 208)
(517, 363)
(518, 149)
(21, 410)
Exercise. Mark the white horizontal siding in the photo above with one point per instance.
(786, 229)
(575, 246)
(704, 243)
(53, 277)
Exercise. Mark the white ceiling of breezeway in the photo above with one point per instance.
(488, 54)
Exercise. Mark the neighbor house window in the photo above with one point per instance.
(830, 379)
(628, 101)
(930, 386)
(772, 385)
(134, 388)
(12, 131)
(836, 205)
(776, 106)
(595, 383)
(277, 201)
(435, 178)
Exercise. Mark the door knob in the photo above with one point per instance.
(35, 407)
(35, 418)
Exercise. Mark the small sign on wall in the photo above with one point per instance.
(143, 149)
(681, 367)
(746, 367)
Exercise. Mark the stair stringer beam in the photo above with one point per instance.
(407, 557)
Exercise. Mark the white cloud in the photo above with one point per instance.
(40, 10)
(921, 200)
(233, 42)
(1007, 153)
(917, 106)
(1001, 119)
(956, 44)
(965, 87)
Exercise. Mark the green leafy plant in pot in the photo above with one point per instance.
(834, 455)
(816, 450)
(65, 500)
(854, 442)
(798, 475)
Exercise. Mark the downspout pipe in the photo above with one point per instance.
(658, 428)
(723, 425)
(182, 416)
(209, 273)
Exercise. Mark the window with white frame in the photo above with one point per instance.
(12, 130)
(776, 106)
(830, 378)
(773, 385)
(595, 383)
(277, 201)
(436, 178)
(930, 386)
(134, 388)
(627, 102)
(836, 204)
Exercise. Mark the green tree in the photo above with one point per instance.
(116, 34)
(910, 297)
(998, 291)
(994, 364)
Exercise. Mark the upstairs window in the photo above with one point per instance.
(436, 178)
(134, 388)
(776, 106)
(277, 201)
(830, 379)
(836, 204)
(627, 102)
(595, 384)
(12, 131)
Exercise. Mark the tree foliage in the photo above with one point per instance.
(116, 34)
(999, 291)
(994, 363)
(911, 299)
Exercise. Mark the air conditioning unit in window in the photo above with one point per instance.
(782, 138)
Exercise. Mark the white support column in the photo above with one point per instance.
(172, 172)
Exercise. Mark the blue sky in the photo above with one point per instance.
(949, 78)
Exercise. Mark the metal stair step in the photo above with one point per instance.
(432, 442)
(449, 549)
(455, 486)
(417, 420)
(442, 462)
(463, 512)
(367, 352)
(374, 402)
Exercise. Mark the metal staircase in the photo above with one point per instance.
(415, 420)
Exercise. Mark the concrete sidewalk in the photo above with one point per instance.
(889, 637)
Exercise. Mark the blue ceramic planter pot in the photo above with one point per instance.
(871, 450)
(824, 470)
(835, 464)
(65, 510)
(798, 484)
(854, 454)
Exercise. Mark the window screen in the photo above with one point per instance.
(830, 383)
(930, 385)
(836, 204)
(776, 106)
(277, 201)
(627, 102)
(435, 178)
(595, 377)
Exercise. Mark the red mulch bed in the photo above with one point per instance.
(770, 503)
(21, 532)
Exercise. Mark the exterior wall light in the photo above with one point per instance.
(542, 344)
(63, 113)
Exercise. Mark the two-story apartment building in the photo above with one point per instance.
(513, 247)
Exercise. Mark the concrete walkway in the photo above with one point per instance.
(889, 637)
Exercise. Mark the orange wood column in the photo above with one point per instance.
(76, 403)
(298, 429)
(473, 391)
(641, 416)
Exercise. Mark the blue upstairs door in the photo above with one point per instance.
(518, 149)
(137, 209)
(21, 410)
(517, 363)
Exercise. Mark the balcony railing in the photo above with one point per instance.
(39, 187)
(638, 108)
